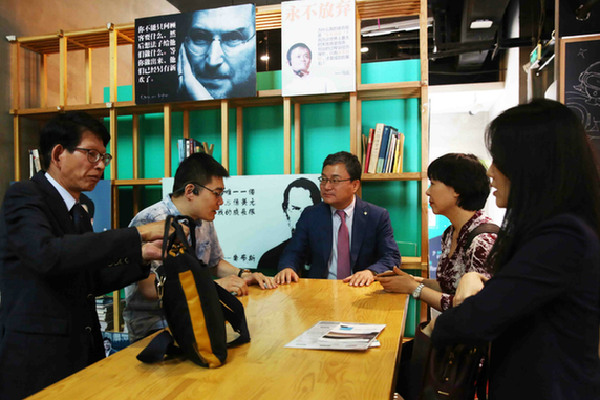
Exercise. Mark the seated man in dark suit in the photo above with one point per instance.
(345, 237)
(52, 265)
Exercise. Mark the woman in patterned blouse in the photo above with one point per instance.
(459, 189)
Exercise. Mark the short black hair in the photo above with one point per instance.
(349, 160)
(198, 168)
(466, 175)
(295, 46)
(66, 129)
(302, 183)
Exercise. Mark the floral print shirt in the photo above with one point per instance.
(451, 268)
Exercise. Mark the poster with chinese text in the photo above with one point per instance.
(259, 214)
(318, 47)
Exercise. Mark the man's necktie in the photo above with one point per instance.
(81, 219)
(343, 248)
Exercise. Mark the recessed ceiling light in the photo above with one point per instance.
(481, 24)
(364, 49)
(264, 58)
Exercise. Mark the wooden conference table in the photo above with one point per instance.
(263, 368)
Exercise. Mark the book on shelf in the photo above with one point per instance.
(186, 147)
(367, 156)
(385, 142)
(389, 158)
(399, 154)
(375, 147)
(34, 162)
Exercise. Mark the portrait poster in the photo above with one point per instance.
(201, 55)
(318, 47)
(580, 82)
(258, 215)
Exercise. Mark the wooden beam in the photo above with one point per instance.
(15, 74)
(88, 76)
(297, 139)
(239, 131)
(225, 134)
(62, 101)
(287, 135)
(112, 64)
(17, 146)
(113, 143)
(135, 128)
(354, 127)
(186, 124)
(43, 80)
(167, 143)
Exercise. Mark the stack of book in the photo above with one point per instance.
(185, 147)
(383, 150)
(104, 308)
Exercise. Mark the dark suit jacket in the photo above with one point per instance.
(541, 311)
(49, 277)
(372, 246)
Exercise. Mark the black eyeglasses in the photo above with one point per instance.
(216, 193)
(333, 181)
(94, 156)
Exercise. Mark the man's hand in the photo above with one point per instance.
(264, 282)
(187, 80)
(233, 284)
(152, 250)
(398, 282)
(156, 230)
(286, 276)
(470, 283)
(361, 278)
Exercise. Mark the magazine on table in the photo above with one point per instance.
(335, 335)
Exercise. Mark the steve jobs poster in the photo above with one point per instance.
(203, 55)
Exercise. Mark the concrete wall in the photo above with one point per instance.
(38, 17)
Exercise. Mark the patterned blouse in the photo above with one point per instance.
(451, 268)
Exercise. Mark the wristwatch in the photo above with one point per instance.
(243, 271)
(416, 294)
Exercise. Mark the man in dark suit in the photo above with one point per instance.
(52, 266)
(344, 236)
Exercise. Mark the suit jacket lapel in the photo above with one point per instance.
(359, 229)
(325, 227)
(55, 203)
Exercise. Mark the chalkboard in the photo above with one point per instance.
(580, 81)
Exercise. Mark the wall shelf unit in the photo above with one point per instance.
(267, 17)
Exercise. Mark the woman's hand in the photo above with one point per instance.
(470, 283)
(399, 282)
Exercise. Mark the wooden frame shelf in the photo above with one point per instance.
(267, 17)
(404, 176)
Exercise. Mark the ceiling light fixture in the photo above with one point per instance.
(482, 24)
(264, 58)
(364, 49)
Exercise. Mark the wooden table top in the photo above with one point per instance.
(263, 368)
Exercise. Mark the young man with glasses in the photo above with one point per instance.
(197, 192)
(344, 236)
(52, 265)
(217, 59)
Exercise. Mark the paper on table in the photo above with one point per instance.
(326, 335)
